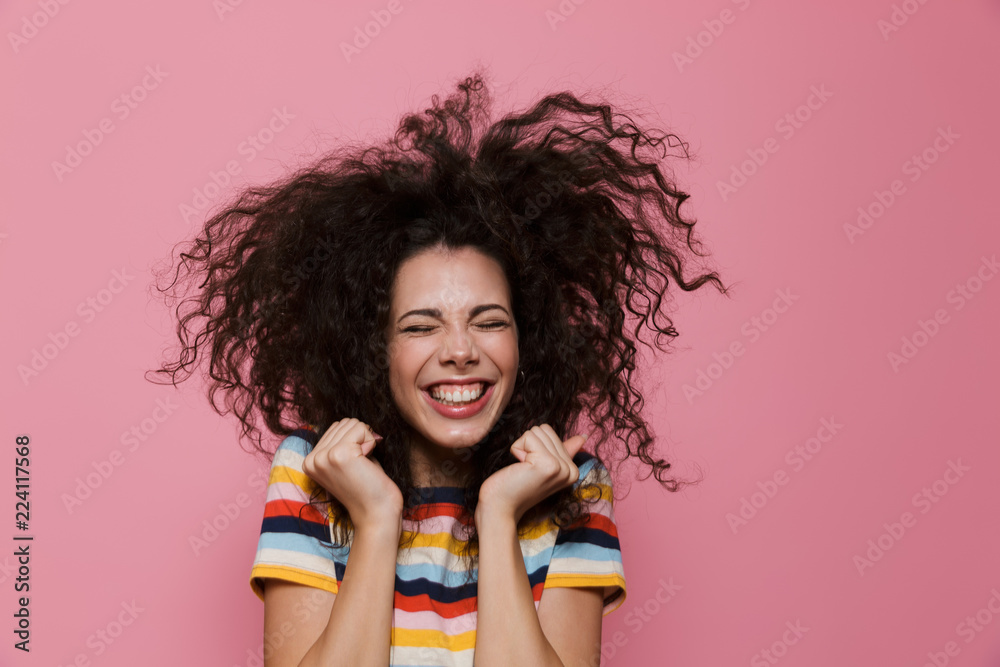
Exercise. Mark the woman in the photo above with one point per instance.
(436, 324)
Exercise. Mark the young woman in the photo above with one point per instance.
(435, 324)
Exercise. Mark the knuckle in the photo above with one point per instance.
(339, 456)
(550, 467)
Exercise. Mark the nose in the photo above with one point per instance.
(458, 347)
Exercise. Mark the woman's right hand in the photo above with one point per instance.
(339, 463)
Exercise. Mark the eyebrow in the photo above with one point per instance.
(434, 312)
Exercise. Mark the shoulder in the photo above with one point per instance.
(286, 464)
(592, 472)
(297, 443)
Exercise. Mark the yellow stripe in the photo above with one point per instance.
(292, 574)
(570, 580)
(603, 491)
(286, 474)
(433, 639)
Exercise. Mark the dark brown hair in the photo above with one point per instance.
(292, 280)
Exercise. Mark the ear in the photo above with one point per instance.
(574, 444)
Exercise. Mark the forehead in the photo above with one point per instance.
(449, 280)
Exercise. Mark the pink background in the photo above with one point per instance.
(735, 592)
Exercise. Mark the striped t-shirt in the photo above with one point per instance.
(434, 615)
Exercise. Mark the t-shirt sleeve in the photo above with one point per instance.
(290, 549)
(588, 554)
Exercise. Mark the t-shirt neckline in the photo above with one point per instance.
(437, 494)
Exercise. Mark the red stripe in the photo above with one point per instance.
(431, 510)
(423, 602)
(601, 522)
(284, 507)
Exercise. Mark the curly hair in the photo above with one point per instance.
(294, 279)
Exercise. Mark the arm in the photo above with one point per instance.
(564, 632)
(352, 627)
(571, 619)
(507, 628)
(509, 631)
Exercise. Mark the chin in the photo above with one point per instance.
(459, 440)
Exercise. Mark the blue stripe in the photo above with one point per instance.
(598, 554)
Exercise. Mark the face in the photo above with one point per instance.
(451, 338)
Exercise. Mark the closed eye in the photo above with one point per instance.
(491, 326)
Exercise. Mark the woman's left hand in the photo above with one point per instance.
(545, 466)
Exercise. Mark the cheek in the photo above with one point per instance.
(402, 374)
(511, 354)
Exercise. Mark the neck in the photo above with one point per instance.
(434, 465)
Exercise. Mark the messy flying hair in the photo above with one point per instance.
(294, 279)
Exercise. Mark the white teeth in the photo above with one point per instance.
(458, 397)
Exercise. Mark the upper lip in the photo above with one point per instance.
(465, 379)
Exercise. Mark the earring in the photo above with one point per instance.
(522, 375)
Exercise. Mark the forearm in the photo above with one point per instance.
(507, 627)
(360, 626)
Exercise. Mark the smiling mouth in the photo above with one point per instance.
(458, 401)
(457, 395)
